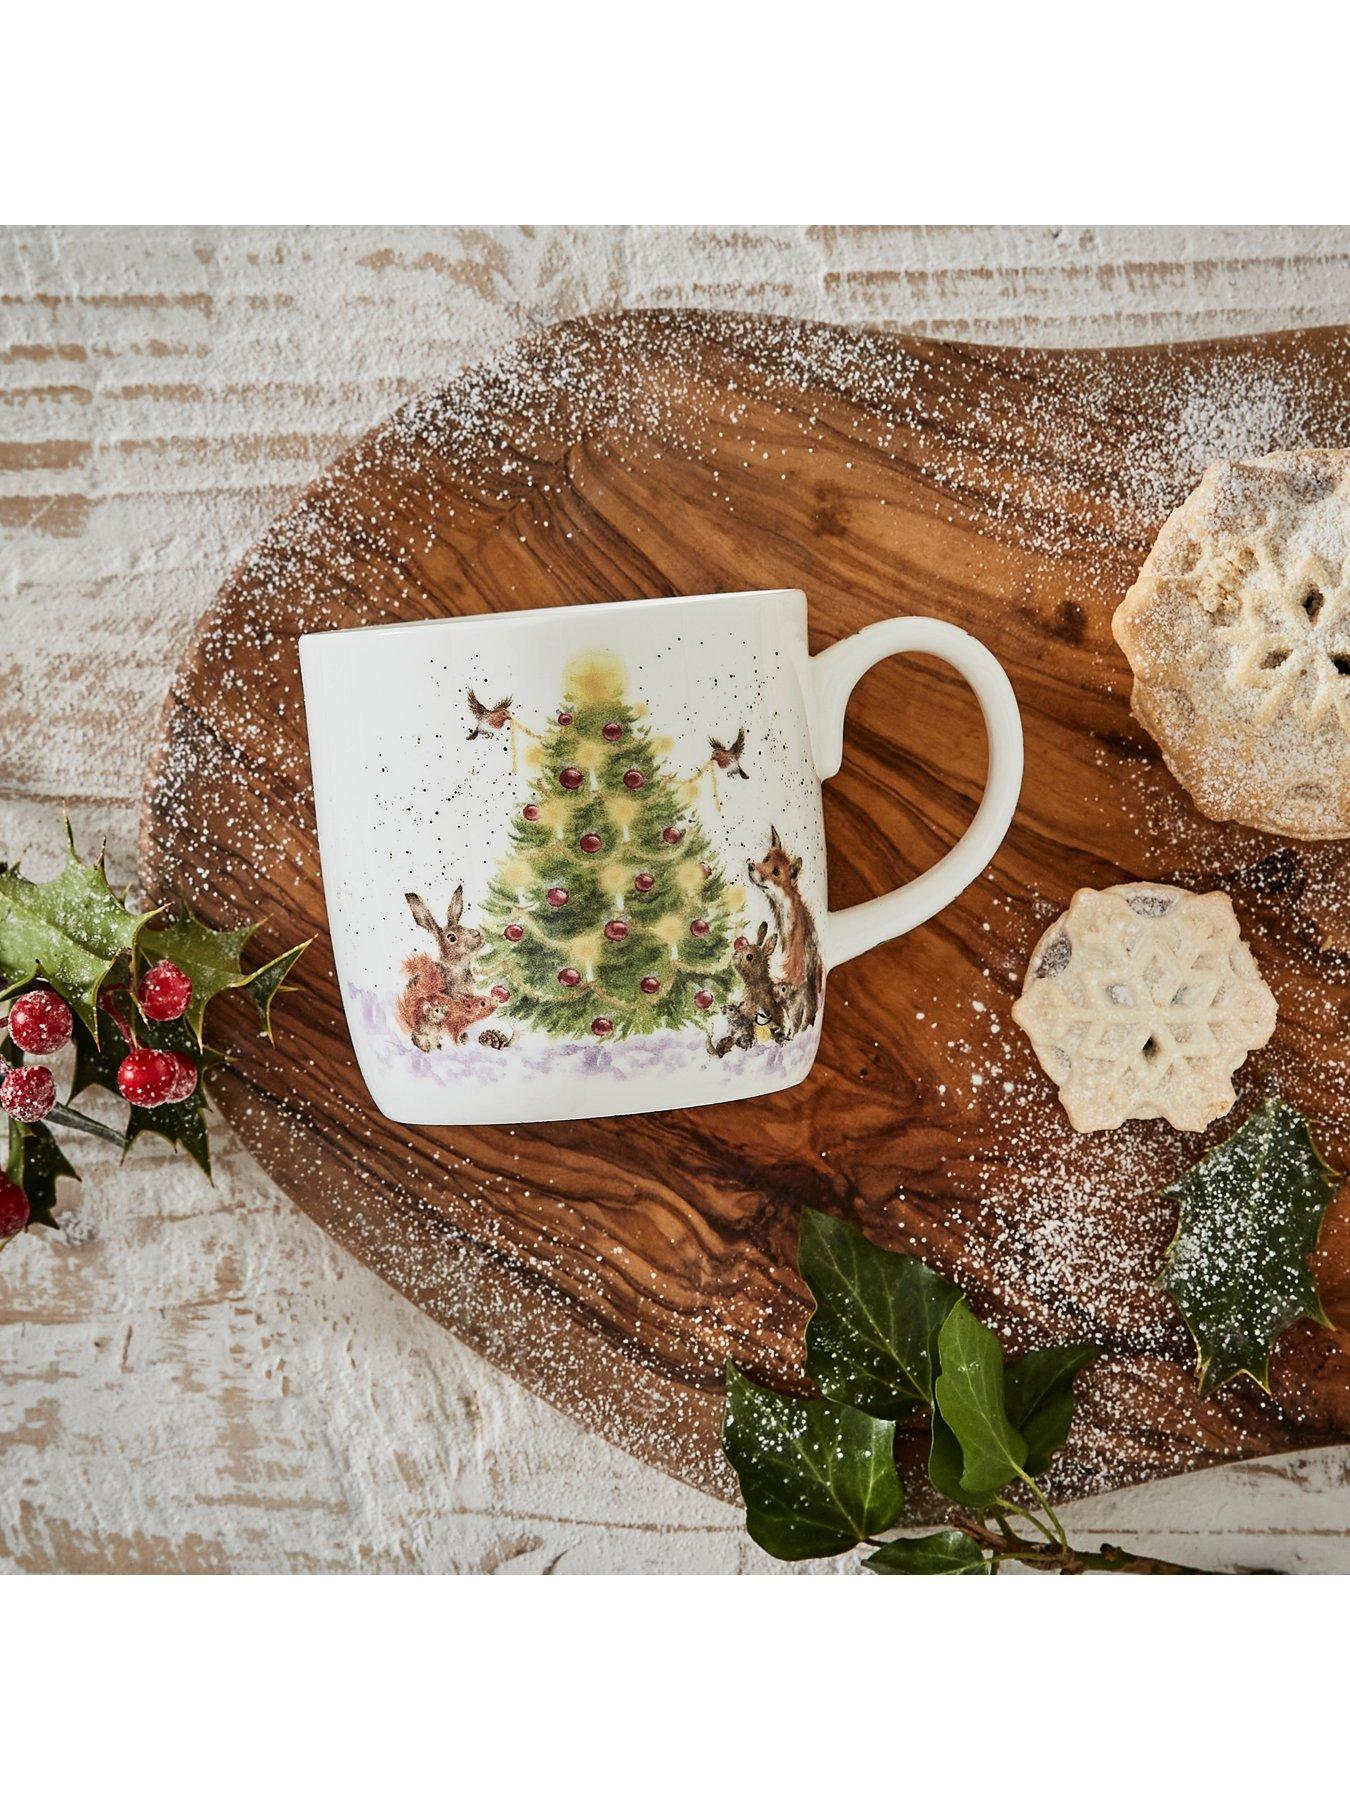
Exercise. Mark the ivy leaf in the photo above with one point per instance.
(210, 959)
(1250, 1212)
(816, 1478)
(870, 1342)
(971, 1408)
(941, 1553)
(1038, 1395)
(70, 930)
(35, 1162)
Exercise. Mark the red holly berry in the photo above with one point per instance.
(564, 718)
(185, 1077)
(557, 896)
(644, 883)
(650, 985)
(501, 993)
(514, 932)
(741, 942)
(529, 813)
(40, 1022)
(591, 841)
(699, 927)
(672, 834)
(570, 778)
(165, 992)
(569, 977)
(616, 930)
(29, 1093)
(147, 1077)
(613, 731)
(703, 999)
(633, 779)
(602, 1027)
(13, 1208)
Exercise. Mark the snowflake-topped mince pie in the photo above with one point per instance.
(1140, 1002)
(1238, 633)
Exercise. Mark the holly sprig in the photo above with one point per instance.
(1248, 1218)
(131, 989)
(891, 1338)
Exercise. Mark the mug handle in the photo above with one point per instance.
(834, 675)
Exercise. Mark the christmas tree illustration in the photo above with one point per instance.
(610, 914)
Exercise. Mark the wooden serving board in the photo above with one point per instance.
(613, 1266)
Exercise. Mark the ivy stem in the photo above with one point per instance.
(1023, 1513)
(1047, 1509)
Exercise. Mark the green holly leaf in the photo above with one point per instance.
(870, 1342)
(265, 984)
(36, 1162)
(816, 1478)
(70, 930)
(210, 960)
(1038, 1395)
(971, 1410)
(940, 1553)
(1250, 1212)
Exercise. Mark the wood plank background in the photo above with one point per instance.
(192, 1377)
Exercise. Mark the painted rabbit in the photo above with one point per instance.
(760, 999)
(456, 944)
(439, 1001)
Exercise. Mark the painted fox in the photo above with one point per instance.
(803, 971)
(429, 1011)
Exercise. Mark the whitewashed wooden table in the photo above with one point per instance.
(193, 1377)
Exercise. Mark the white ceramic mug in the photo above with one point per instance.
(574, 859)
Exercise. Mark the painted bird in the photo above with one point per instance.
(487, 718)
(728, 758)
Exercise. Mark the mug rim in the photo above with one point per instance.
(519, 615)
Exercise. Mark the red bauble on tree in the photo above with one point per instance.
(602, 1027)
(564, 719)
(703, 999)
(557, 896)
(672, 834)
(570, 977)
(650, 985)
(570, 778)
(633, 779)
(616, 930)
(613, 731)
(500, 992)
(644, 883)
(591, 841)
(514, 932)
(699, 927)
(530, 813)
